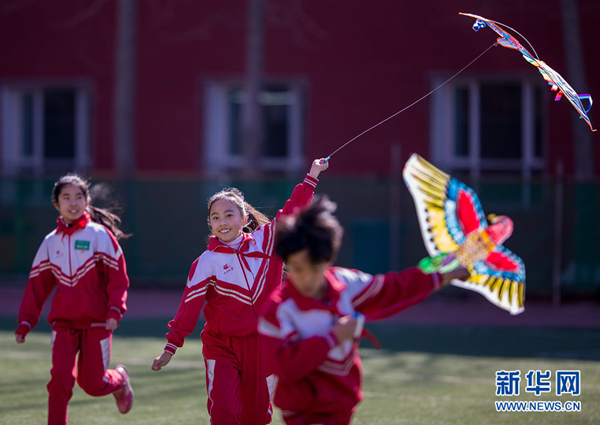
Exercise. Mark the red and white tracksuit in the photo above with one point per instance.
(235, 283)
(319, 378)
(86, 265)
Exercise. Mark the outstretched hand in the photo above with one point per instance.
(20, 339)
(460, 273)
(161, 361)
(318, 165)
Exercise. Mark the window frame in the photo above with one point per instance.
(444, 124)
(217, 157)
(14, 161)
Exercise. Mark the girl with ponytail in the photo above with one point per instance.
(234, 276)
(98, 215)
(82, 259)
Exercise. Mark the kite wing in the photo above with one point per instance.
(453, 225)
(558, 83)
(447, 209)
(500, 278)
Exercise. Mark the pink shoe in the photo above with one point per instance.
(124, 396)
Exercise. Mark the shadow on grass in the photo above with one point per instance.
(580, 344)
(24, 407)
(561, 343)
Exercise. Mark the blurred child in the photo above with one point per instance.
(84, 261)
(235, 275)
(309, 328)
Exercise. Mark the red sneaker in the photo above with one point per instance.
(124, 396)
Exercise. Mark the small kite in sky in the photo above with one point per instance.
(455, 232)
(553, 78)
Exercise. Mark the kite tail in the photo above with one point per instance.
(589, 99)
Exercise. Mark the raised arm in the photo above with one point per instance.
(305, 191)
(317, 166)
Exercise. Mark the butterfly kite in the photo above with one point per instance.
(456, 232)
(553, 78)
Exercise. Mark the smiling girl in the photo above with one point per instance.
(82, 259)
(235, 275)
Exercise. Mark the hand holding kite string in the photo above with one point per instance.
(553, 78)
(456, 233)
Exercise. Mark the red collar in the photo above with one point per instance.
(215, 244)
(333, 293)
(69, 229)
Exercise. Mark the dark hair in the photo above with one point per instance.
(315, 228)
(98, 215)
(255, 218)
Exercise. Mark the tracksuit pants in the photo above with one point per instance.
(238, 391)
(92, 373)
(335, 418)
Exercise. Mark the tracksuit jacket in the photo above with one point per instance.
(319, 377)
(231, 284)
(234, 282)
(87, 264)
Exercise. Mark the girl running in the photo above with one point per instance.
(84, 261)
(235, 275)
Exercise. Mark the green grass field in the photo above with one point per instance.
(423, 375)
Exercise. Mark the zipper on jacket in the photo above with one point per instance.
(241, 263)
(70, 267)
(247, 284)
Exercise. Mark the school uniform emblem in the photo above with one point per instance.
(82, 245)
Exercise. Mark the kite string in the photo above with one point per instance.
(412, 104)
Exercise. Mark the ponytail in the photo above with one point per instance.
(98, 215)
(255, 218)
(107, 219)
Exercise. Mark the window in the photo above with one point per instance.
(44, 129)
(489, 126)
(283, 126)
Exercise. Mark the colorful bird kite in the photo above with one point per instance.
(553, 78)
(456, 232)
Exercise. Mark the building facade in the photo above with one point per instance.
(328, 72)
